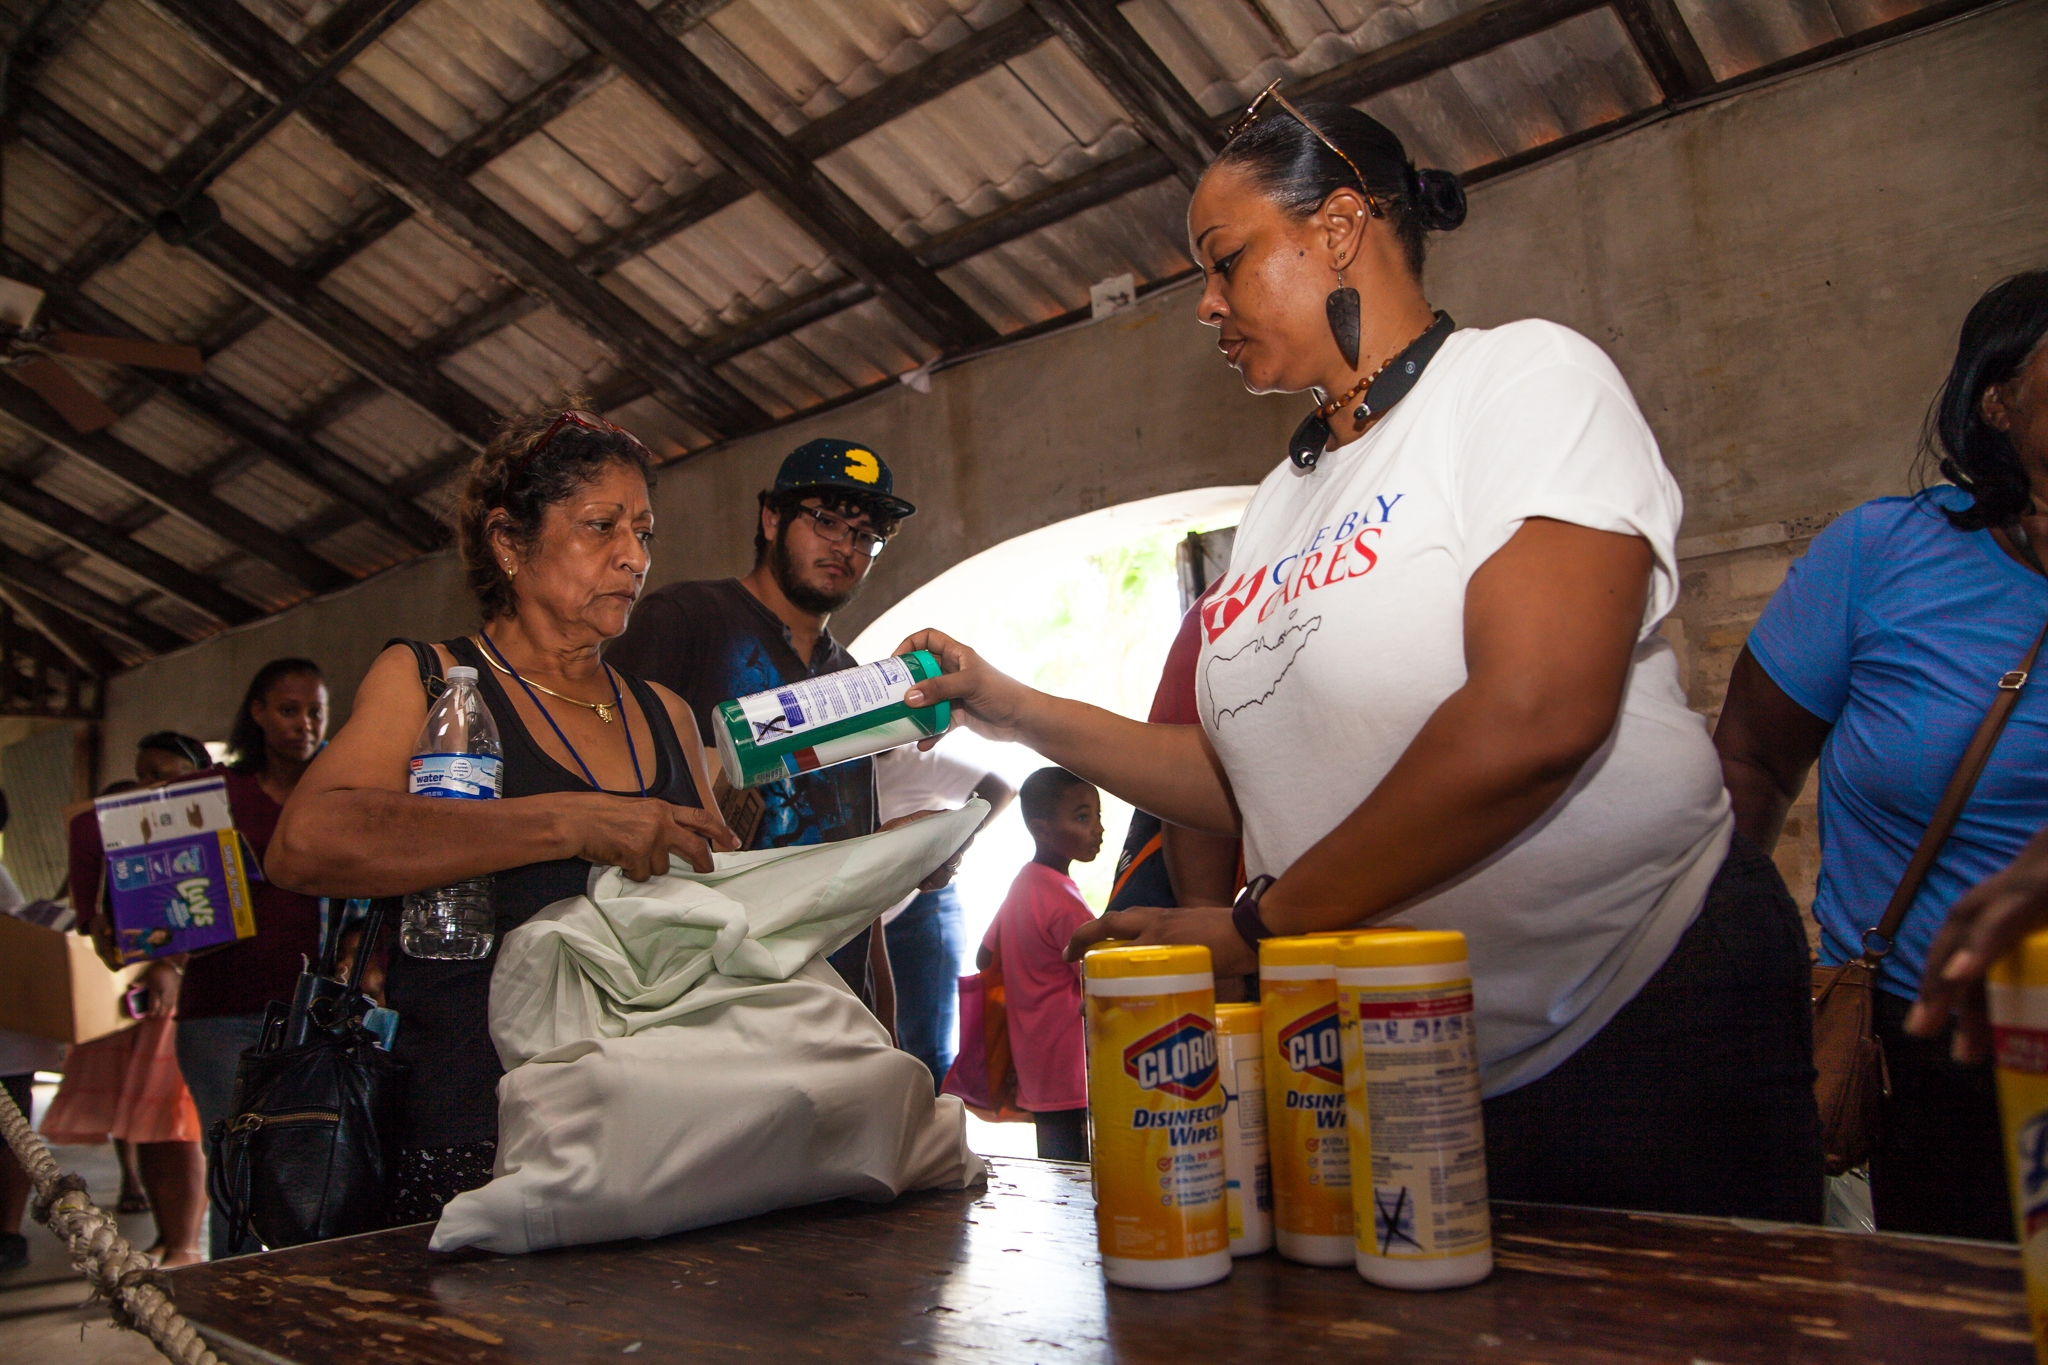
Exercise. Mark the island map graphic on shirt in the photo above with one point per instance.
(1277, 595)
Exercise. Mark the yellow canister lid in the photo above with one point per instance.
(1237, 1019)
(1158, 959)
(2026, 965)
(1306, 950)
(1402, 948)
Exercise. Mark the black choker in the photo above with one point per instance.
(1388, 387)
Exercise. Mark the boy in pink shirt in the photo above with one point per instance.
(1042, 991)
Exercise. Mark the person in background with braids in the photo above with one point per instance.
(600, 768)
(1430, 682)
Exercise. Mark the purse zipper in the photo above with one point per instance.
(249, 1123)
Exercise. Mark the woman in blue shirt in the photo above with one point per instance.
(1878, 657)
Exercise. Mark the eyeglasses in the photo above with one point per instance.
(589, 421)
(1251, 116)
(838, 530)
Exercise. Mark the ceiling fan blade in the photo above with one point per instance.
(156, 355)
(19, 301)
(69, 397)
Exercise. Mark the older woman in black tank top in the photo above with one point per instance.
(600, 768)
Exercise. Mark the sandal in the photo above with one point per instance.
(133, 1203)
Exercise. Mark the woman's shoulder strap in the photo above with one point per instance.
(429, 663)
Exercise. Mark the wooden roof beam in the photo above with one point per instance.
(240, 418)
(172, 490)
(1136, 78)
(1667, 47)
(748, 144)
(110, 543)
(82, 602)
(73, 637)
(247, 46)
(284, 292)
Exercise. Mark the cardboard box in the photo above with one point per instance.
(54, 985)
(176, 877)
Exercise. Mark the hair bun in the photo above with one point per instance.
(1439, 200)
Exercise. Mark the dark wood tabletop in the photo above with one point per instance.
(1010, 1274)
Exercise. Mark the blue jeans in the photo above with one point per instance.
(208, 1051)
(925, 946)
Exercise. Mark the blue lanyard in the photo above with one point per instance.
(617, 700)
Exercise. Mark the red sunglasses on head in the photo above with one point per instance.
(589, 421)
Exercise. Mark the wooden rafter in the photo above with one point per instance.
(171, 490)
(239, 418)
(749, 145)
(41, 581)
(964, 61)
(1137, 79)
(111, 543)
(1667, 46)
(77, 641)
(243, 43)
(280, 290)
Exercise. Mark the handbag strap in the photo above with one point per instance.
(1877, 942)
(429, 665)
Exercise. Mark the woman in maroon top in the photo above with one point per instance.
(278, 728)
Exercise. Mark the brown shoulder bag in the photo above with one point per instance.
(1847, 1053)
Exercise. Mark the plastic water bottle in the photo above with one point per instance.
(457, 758)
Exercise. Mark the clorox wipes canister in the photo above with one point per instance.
(814, 723)
(2018, 991)
(1248, 1175)
(1155, 1116)
(1418, 1148)
(1305, 1130)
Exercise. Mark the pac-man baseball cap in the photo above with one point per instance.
(832, 463)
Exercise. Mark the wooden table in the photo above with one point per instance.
(1010, 1274)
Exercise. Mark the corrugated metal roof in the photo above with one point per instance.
(134, 80)
(166, 293)
(50, 217)
(189, 544)
(533, 360)
(273, 495)
(450, 68)
(281, 368)
(292, 192)
(415, 282)
(387, 438)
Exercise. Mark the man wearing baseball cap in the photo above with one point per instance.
(832, 509)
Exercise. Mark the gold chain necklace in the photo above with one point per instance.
(603, 708)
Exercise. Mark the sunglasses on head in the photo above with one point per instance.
(1251, 115)
(589, 421)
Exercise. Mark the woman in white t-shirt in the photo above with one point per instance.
(1431, 684)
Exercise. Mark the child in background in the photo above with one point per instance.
(1042, 991)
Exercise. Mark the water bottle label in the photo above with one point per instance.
(473, 777)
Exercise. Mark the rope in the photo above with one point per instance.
(127, 1281)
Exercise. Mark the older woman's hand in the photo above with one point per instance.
(1208, 926)
(994, 703)
(637, 834)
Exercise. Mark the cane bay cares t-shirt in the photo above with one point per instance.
(1338, 631)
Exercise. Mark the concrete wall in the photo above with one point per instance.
(1780, 275)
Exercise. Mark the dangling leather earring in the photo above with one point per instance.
(1342, 309)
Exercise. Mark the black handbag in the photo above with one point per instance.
(308, 1148)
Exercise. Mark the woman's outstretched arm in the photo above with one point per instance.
(1169, 770)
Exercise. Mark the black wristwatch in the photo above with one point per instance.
(1244, 912)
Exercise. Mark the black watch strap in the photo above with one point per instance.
(1244, 913)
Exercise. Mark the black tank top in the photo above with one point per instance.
(451, 1094)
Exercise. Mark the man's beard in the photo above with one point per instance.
(802, 595)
